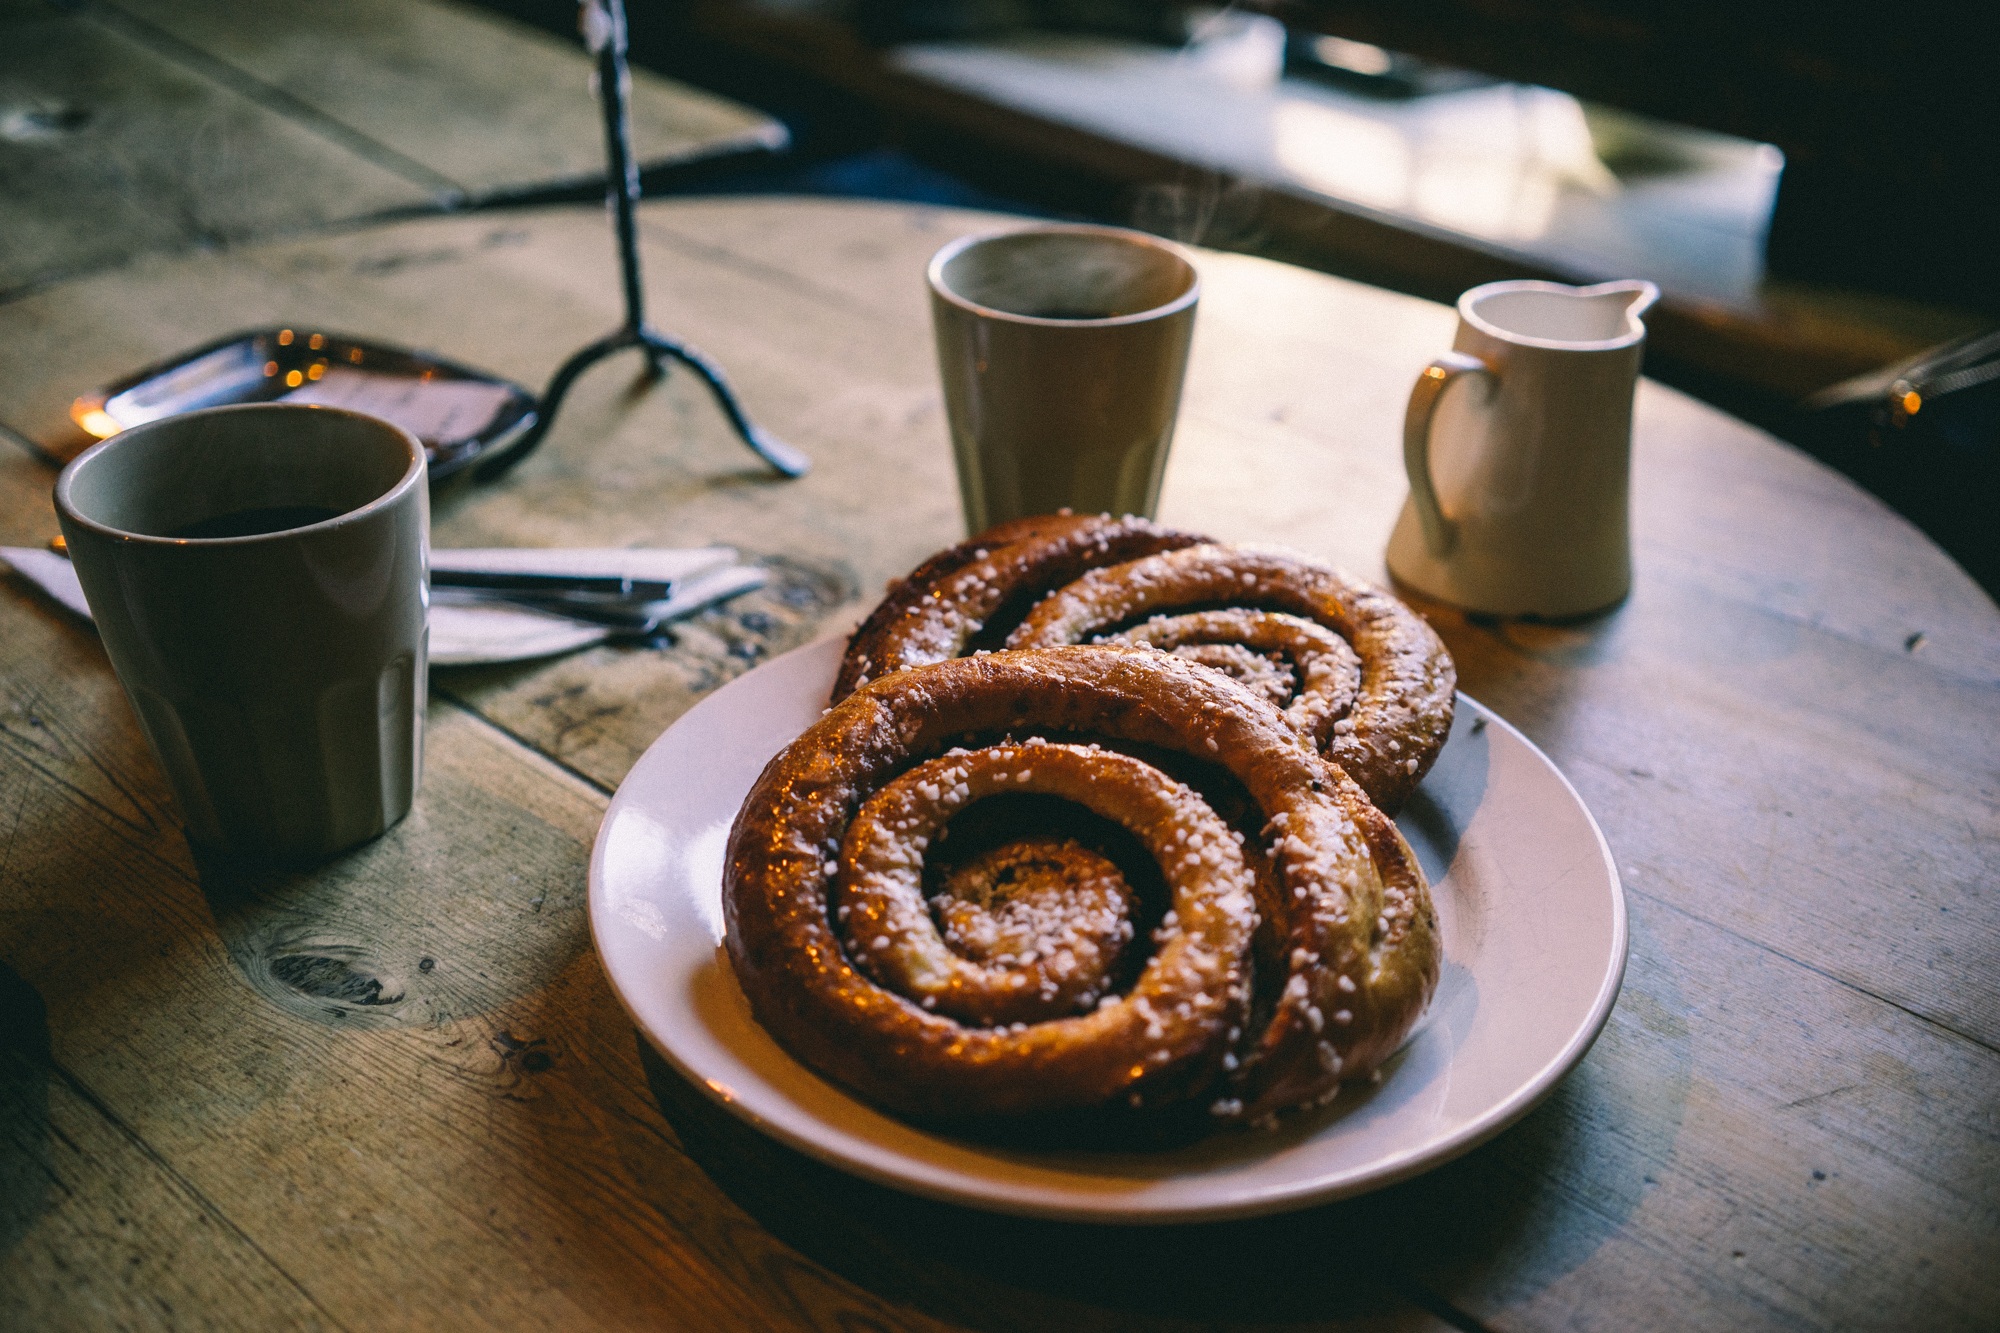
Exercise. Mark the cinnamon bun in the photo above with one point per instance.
(1241, 955)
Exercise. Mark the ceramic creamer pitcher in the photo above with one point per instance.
(1520, 480)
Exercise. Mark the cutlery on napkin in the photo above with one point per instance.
(526, 603)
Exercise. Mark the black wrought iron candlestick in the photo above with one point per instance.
(604, 31)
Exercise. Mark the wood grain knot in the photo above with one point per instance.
(333, 979)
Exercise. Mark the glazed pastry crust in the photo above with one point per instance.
(1385, 731)
(936, 612)
(1337, 892)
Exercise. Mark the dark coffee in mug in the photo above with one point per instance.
(256, 522)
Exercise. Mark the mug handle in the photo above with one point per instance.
(1440, 534)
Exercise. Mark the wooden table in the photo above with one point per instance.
(129, 126)
(397, 1091)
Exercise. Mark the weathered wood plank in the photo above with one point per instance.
(112, 150)
(1767, 792)
(489, 104)
(1748, 1145)
(143, 126)
(94, 1232)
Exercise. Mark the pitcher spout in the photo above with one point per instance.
(1636, 295)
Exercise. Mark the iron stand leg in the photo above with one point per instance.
(604, 30)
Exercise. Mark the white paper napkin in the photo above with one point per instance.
(465, 632)
(51, 573)
(657, 564)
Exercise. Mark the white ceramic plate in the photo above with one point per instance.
(1534, 935)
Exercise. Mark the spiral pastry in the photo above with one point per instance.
(1229, 972)
(1352, 667)
(968, 594)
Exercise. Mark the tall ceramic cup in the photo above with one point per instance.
(1520, 480)
(259, 578)
(1062, 351)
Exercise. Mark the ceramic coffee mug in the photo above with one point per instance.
(258, 575)
(1062, 350)
(1520, 494)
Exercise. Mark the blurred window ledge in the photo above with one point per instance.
(1218, 142)
(1528, 173)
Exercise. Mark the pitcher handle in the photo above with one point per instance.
(1440, 534)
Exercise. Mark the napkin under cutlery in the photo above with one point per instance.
(469, 627)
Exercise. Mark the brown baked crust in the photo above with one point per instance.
(938, 609)
(1342, 900)
(1385, 731)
